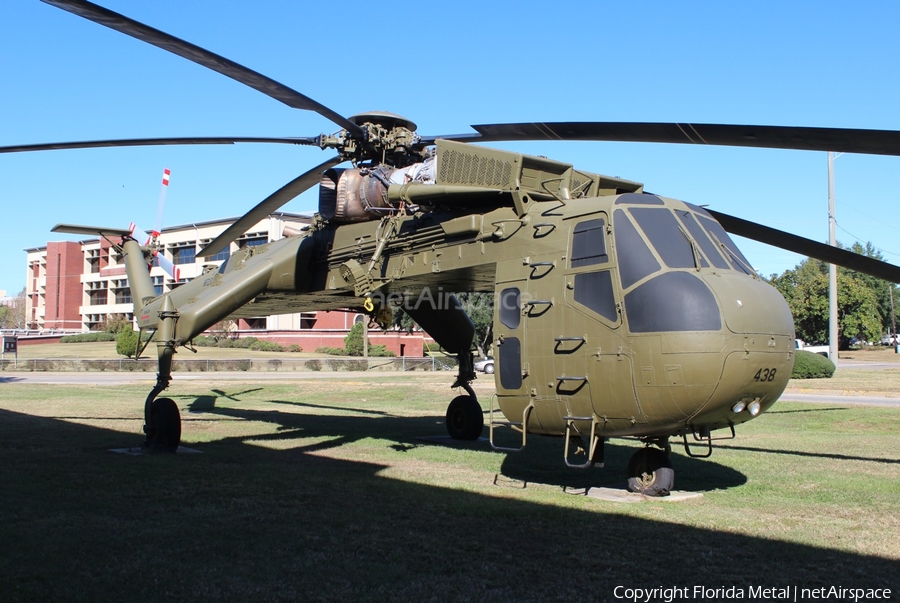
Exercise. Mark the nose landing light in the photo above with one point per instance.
(753, 407)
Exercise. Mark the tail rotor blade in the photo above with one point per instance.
(139, 235)
(162, 200)
(167, 265)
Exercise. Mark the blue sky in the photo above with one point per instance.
(445, 66)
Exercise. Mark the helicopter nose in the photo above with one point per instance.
(758, 354)
(751, 306)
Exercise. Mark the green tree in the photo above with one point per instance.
(881, 288)
(480, 308)
(126, 342)
(116, 324)
(12, 316)
(353, 342)
(806, 290)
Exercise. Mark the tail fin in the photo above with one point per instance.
(136, 268)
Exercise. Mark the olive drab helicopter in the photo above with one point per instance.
(618, 313)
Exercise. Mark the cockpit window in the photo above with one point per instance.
(661, 227)
(720, 237)
(589, 243)
(708, 247)
(635, 259)
(640, 199)
(595, 290)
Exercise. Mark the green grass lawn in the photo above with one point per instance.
(320, 490)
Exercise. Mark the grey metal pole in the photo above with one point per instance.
(832, 269)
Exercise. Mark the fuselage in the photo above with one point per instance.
(633, 312)
(643, 316)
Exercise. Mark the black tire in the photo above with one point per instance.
(164, 431)
(465, 419)
(650, 472)
(488, 369)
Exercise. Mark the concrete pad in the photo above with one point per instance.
(139, 451)
(624, 496)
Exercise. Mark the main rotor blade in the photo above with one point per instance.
(875, 142)
(268, 205)
(808, 247)
(137, 142)
(204, 57)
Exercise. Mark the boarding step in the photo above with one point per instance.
(593, 450)
(521, 427)
(703, 437)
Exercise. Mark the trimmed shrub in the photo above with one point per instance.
(811, 366)
(354, 340)
(266, 346)
(380, 351)
(126, 342)
(205, 341)
(331, 351)
(294, 348)
(88, 337)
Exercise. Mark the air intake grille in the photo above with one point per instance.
(472, 169)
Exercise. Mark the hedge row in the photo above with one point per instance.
(812, 366)
(88, 337)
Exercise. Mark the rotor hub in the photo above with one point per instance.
(387, 139)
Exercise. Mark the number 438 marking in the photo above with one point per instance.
(764, 374)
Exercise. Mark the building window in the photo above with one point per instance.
(222, 255)
(98, 297)
(184, 255)
(252, 242)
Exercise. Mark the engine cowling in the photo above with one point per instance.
(361, 194)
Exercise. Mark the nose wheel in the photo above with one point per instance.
(650, 472)
(465, 419)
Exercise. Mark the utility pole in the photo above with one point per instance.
(832, 269)
(893, 315)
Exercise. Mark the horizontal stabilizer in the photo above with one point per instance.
(95, 231)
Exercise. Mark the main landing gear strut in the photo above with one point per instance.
(465, 418)
(162, 421)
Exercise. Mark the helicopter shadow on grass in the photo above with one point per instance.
(241, 522)
(540, 462)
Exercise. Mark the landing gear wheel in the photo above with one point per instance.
(164, 430)
(465, 419)
(650, 472)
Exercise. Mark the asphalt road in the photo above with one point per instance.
(123, 378)
(837, 399)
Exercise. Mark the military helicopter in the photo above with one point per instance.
(618, 313)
